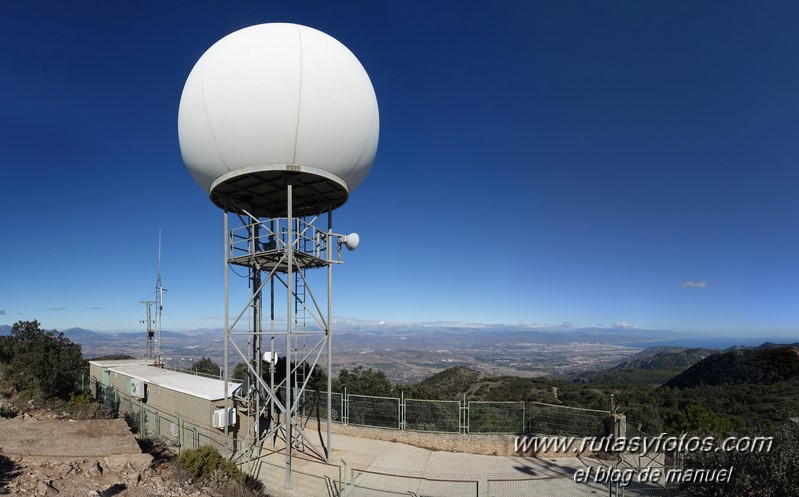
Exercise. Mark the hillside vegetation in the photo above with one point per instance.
(763, 365)
(657, 390)
(666, 358)
(650, 367)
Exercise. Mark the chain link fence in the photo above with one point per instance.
(313, 405)
(496, 417)
(432, 415)
(399, 413)
(153, 423)
(566, 421)
(380, 412)
(452, 416)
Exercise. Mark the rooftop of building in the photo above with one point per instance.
(197, 386)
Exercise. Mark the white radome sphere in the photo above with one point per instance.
(277, 99)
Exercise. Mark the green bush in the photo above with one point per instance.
(207, 367)
(83, 406)
(40, 360)
(759, 473)
(206, 463)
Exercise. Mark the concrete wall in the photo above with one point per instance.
(488, 444)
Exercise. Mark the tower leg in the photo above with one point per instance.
(289, 320)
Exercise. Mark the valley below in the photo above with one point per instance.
(408, 354)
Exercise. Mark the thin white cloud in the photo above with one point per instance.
(381, 323)
(623, 325)
(57, 309)
(693, 284)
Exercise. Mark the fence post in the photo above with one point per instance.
(464, 415)
(345, 407)
(401, 413)
(345, 484)
(180, 434)
(524, 415)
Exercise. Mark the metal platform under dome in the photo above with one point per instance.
(276, 259)
(262, 245)
(261, 190)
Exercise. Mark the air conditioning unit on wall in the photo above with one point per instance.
(219, 417)
(138, 388)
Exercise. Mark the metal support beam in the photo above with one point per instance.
(275, 250)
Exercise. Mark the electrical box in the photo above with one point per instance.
(138, 388)
(219, 417)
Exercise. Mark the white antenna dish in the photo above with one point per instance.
(351, 241)
(270, 357)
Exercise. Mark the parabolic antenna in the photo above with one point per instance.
(274, 101)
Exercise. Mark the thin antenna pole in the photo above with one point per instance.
(159, 298)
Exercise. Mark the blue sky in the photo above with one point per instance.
(593, 163)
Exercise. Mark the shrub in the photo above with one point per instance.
(763, 473)
(46, 361)
(8, 410)
(156, 446)
(206, 367)
(206, 463)
(83, 406)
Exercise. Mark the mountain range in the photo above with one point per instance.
(767, 364)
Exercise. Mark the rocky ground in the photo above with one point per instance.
(87, 478)
(105, 473)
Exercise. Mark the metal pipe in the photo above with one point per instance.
(272, 362)
(256, 323)
(329, 329)
(227, 332)
(289, 318)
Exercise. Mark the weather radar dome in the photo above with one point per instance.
(272, 102)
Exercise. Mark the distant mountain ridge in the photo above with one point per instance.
(766, 364)
(451, 382)
(666, 358)
(80, 334)
(652, 367)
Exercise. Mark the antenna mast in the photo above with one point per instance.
(159, 301)
(149, 323)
